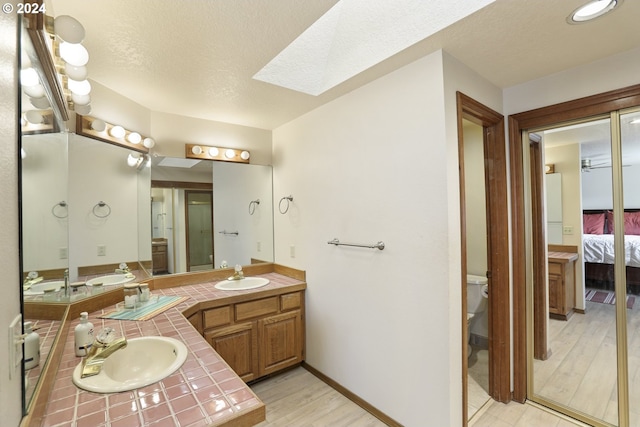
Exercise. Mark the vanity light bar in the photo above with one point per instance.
(208, 152)
(92, 127)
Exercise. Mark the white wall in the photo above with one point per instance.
(235, 186)
(44, 185)
(606, 74)
(10, 397)
(380, 163)
(597, 190)
(89, 162)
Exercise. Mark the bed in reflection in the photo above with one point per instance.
(599, 252)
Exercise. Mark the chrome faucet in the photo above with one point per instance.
(66, 282)
(103, 347)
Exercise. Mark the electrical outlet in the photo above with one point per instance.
(102, 250)
(292, 251)
(64, 253)
(567, 229)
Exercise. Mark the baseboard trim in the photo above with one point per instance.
(353, 397)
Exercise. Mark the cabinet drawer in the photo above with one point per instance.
(158, 248)
(555, 268)
(217, 317)
(251, 309)
(290, 301)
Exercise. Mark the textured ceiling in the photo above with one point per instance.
(196, 58)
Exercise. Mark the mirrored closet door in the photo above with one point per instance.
(583, 313)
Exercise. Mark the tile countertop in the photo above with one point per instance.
(203, 392)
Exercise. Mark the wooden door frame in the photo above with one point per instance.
(547, 116)
(497, 244)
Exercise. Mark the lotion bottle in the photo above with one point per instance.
(31, 347)
(83, 335)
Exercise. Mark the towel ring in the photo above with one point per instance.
(252, 206)
(99, 206)
(62, 205)
(286, 209)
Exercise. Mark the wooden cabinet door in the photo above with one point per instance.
(280, 340)
(238, 346)
(555, 294)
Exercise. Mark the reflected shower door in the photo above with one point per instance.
(199, 207)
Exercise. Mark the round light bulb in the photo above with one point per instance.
(117, 132)
(148, 142)
(80, 99)
(245, 155)
(29, 77)
(34, 117)
(134, 138)
(41, 103)
(79, 87)
(35, 91)
(197, 150)
(98, 125)
(69, 29)
(76, 73)
(213, 151)
(229, 153)
(74, 54)
(83, 110)
(132, 160)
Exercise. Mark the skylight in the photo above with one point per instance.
(354, 35)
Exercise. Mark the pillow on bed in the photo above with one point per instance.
(593, 223)
(631, 223)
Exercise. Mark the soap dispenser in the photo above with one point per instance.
(83, 335)
(31, 347)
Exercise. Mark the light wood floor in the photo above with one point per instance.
(581, 372)
(298, 398)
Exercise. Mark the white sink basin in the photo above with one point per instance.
(143, 361)
(39, 288)
(242, 284)
(112, 279)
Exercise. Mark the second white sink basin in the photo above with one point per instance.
(242, 284)
(39, 288)
(143, 361)
(112, 279)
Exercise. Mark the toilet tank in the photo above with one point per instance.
(476, 299)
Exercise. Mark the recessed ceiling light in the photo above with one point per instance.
(592, 10)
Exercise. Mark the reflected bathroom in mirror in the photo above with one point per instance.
(93, 208)
(208, 215)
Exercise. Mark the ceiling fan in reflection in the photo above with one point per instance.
(587, 165)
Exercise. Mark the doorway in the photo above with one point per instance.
(490, 126)
(199, 224)
(596, 354)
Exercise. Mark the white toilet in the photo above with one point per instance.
(477, 294)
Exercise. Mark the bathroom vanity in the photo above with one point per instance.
(232, 337)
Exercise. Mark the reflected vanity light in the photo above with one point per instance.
(114, 134)
(208, 152)
(37, 121)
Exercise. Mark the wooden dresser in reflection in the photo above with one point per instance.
(562, 283)
(159, 256)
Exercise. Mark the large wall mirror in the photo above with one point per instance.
(207, 215)
(86, 210)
